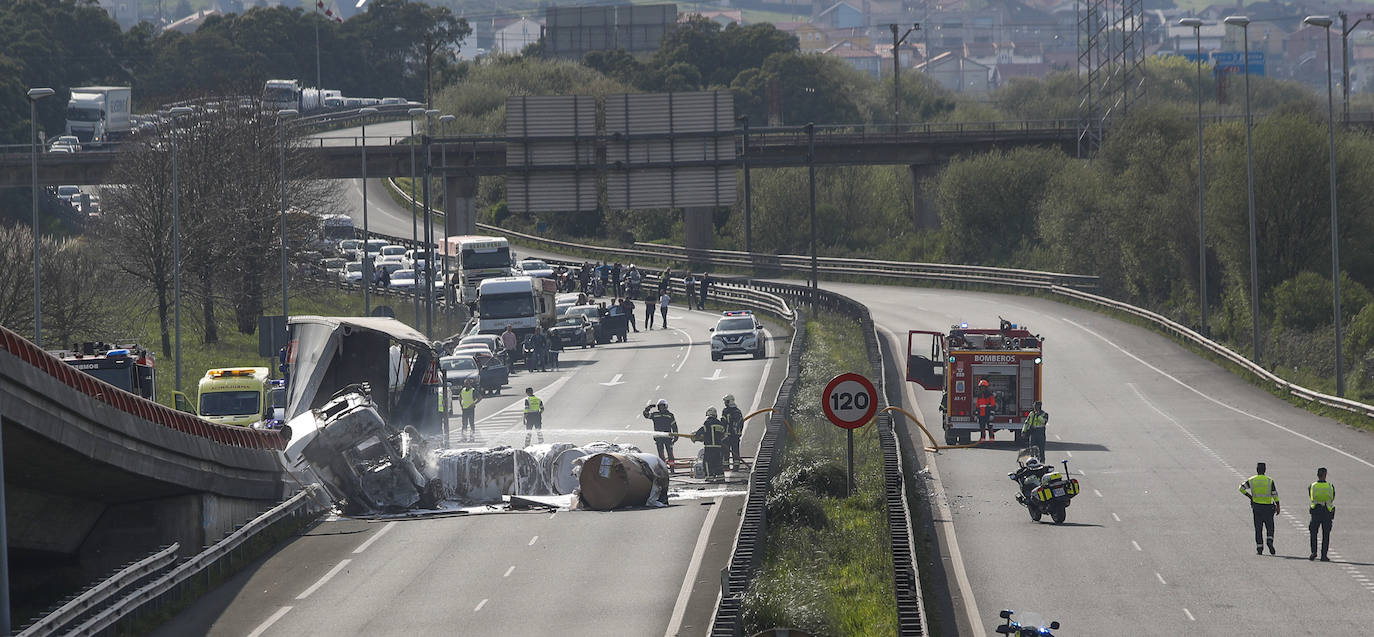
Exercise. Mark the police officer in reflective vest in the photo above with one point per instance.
(468, 398)
(1323, 511)
(711, 434)
(733, 419)
(1034, 429)
(534, 415)
(665, 422)
(1264, 504)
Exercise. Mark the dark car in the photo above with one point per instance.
(489, 372)
(574, 329)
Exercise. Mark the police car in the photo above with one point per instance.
(737, 333)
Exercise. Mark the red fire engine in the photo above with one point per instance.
(1008, 358)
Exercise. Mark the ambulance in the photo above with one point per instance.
(235, 396)
(1009, 358)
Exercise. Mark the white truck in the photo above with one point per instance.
(521, 302)
(283, 94)
(99, 114)
(470, 259)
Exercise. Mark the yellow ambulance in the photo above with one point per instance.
(235, 395)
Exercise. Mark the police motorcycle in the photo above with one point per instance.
(1043, 489)
(1029, 625)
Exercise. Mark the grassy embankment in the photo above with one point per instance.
(827, 568)
(236, 349)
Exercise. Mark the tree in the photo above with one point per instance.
(988, 202)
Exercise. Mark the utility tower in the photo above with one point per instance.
(1111, 49)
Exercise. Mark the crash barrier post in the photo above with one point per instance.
(57, 620)
(170, 587)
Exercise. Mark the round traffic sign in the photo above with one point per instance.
(849, 400)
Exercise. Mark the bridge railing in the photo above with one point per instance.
(135, 405)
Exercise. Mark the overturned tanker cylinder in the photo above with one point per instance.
(614, 480)
(484, 475)
(360, 394)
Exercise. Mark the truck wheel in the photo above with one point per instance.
(965, 437)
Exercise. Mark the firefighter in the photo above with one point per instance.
(1034, 430)
(665, 422)
(534, 415)
(468, 398)
(1264, 504)
(733, 419)
(710, 435)
(983, 404)
(1323, 511)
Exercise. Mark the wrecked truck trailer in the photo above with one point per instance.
(362, 392)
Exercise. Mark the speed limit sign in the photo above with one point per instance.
(849, 400)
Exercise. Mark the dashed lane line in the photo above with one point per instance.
(375, 536)
(262, 628)
(480, 605)
(324, 580)
(533, 540)
(509, 571)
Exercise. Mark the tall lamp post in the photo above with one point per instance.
(282, 116)
(36, 94)
(429, 229)
(811, 178)
(1345, 61)
(414, 229)
(1325, 23)
(367, 256)
(444, 121)
(1244, 23)
(176, 113)
(1196, 24)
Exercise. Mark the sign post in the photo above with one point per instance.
(849, 401)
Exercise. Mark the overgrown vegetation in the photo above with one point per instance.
(827, 568)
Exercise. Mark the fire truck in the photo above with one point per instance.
(1008, 357)
(128, 367)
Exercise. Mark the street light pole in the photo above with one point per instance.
(429, 228)
(897, 72)
(1325, 23)
(1345, 61)
(36, 94)
(1196, 24)
(282, 116)
(811, 170)
(748, 192)
(1244, 23)
(176, 113)
(414, 228)
(444, 121)
(367, 256)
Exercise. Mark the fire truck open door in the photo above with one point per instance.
(925, 359)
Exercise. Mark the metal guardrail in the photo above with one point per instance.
(57, 621)
(304, 502)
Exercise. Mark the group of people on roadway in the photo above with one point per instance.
(719, 435)
(1263, 494)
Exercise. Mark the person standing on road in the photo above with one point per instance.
(1323, 511)
(534, 415)
(733, 419)
(663, 302)
(649, 310)
(705, 288)
(615, 278)
(983, 404)
(540, 345)
(511, 344)
(710, 435)
(664, 421)
(468, 398)
(628, 305)
(1034, 430)
(689, 286)
(665, 280)
(1264, 505)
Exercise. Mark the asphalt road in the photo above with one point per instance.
(384, 215)
(1160, 541)
(568, 573)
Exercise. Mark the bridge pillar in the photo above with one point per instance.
(924, 216)
(699, 229)
(460, 205)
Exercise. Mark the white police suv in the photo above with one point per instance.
(737, 333)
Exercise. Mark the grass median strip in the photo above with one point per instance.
(827, 568)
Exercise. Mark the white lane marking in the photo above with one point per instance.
(480, 605)
(533, 540)
(552, 514)
(509, 571)
(363, 547)
(1189, 434)
(1116, 517)
(262, 628)
(547, 392)
(687, 351)
(975, 618)
(323, 580)
(657, 387)
(1097, 493)
(715, 376)
(665, 375)
(615, 381)
(1134, 545)
(1068, 453)
(1190, 615)
(1218, 402)
(685, 593)
(1161, 579)
(1056, 437)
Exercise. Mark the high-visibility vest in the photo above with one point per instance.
(1037, 419)
(1262, 489)
(533, 404)
(1322, 494)
(467, 398)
